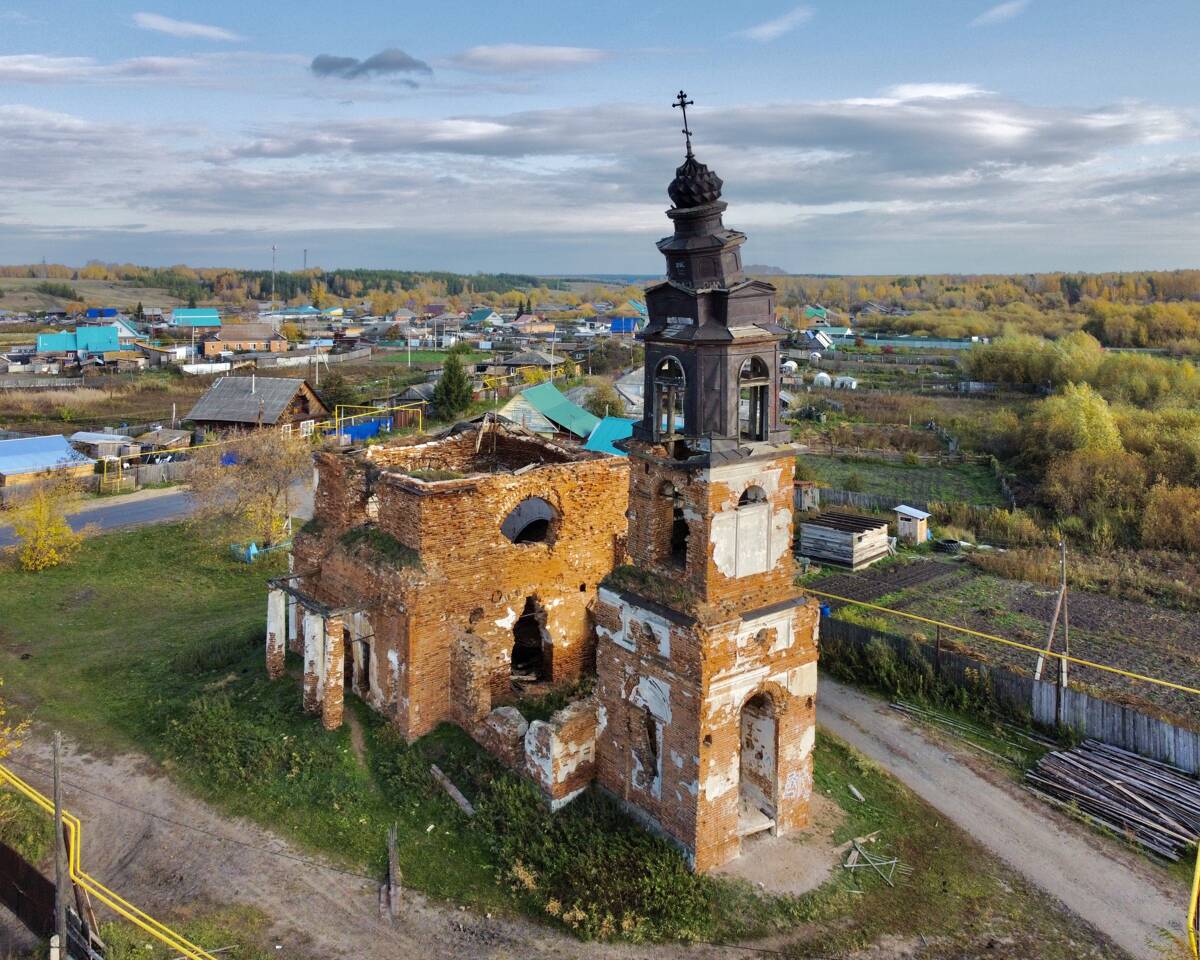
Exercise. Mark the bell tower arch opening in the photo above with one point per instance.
(754, 397)
(670, 384)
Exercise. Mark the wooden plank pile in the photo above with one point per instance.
(1153, 804)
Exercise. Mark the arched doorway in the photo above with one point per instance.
(757, 766)
(529, 662)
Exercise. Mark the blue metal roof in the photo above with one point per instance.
(606, 431)
(34, 454)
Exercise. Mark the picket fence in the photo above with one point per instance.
(1046, 703)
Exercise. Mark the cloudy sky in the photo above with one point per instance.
(856, 136)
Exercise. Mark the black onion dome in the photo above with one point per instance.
(694, 185)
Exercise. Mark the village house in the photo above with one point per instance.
(239, 403)
(101, 445)
(80, 344)
(244, 338)
(447, 579)
(199, 320)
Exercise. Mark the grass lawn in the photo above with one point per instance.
(151, 641)
(968, 482)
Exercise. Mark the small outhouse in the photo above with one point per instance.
(912, 525)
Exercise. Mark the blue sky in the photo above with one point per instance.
(854, 137)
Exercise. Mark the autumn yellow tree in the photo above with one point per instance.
(38, 514)
(243, 490)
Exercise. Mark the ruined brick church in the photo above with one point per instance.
(445, 579)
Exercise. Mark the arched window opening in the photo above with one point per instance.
(528, 662)
(754, 391)
(680, 531)
(530, 521)
(753, 494)
(669, 385)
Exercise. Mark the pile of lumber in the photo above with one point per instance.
(1151, 803)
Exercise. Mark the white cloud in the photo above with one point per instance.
(934, 175)
(182, 28)
(774, 29)
(934, 91)
(1000, 13)
(521, 58)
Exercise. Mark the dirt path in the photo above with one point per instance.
(162, 849)
(1110, 888)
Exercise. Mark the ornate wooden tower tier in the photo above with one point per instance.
(707, 657)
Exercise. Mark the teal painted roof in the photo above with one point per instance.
(546, 400)
(816, 312)
(195, 317)
(87, 339)
(478, 316)
(608, 430)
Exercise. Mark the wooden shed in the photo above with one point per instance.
(912, 525)
(847, 539)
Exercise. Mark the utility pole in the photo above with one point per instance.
(1060, 608)
(61, 877)
(306, 259)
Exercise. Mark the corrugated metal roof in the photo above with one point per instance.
(606, 431)
(546, 399)
(88, 436)
(33, 454)
(245, 400)
(906, 511)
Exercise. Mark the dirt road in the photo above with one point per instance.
(160, 848)
(1110, 888)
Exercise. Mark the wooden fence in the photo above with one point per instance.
(1045, 702)
(873, 502)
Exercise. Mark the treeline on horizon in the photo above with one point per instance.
(235, 286)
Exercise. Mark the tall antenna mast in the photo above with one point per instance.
(306, 259)
(272, 278)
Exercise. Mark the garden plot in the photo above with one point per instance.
(1131, 636)
(966, 482)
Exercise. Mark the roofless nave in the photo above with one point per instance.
(443, 579)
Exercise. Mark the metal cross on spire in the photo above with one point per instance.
(683, 103)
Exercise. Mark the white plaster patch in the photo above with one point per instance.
(781, 535)
(601, 719)
(723, 534)
(506, 622)
(677, 759)
(799, 681)
(539, 761)
(655, 696)
(721, 779)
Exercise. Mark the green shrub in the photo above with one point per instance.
(380, 543)
(217, 652)
(854, 482)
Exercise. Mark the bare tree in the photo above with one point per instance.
(243, 489)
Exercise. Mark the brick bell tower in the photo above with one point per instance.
(706, 655)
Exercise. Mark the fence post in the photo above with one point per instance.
(937, 652)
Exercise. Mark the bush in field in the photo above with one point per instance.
(990, 523)
(1171, 518)
(854, 482)
(1102, 487)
